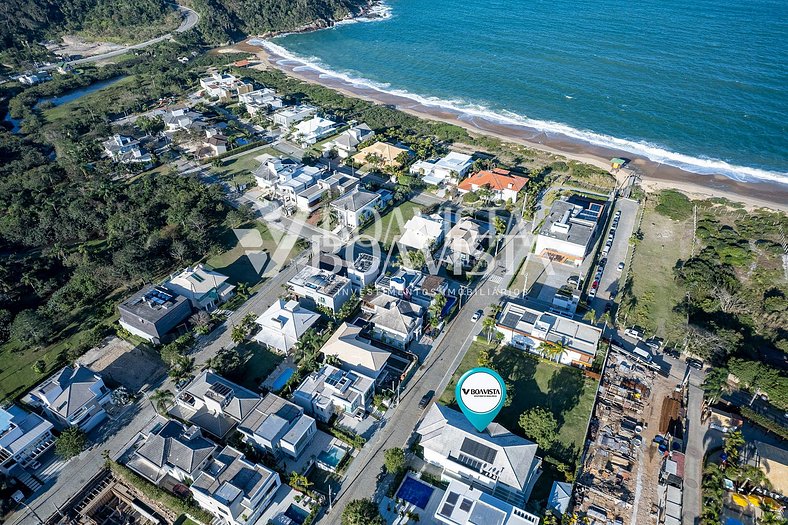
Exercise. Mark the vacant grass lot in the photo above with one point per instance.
(389, 227)
(653, 293)
(259, 363)
(239, 169)
(537, 382)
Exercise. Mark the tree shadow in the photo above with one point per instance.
(565, 388)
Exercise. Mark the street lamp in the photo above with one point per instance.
(18, 496)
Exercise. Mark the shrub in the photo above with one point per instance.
(674, 204)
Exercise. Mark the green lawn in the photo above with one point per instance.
(239, 169)
(654, 289)
(537, 382)
(234, 262)
(389, 227)
(260, 362)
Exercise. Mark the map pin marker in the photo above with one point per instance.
(480, 393)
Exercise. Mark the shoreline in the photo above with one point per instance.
(653, 176)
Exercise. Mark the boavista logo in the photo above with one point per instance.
(480, 393)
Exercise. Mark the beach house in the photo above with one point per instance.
(318, 287)
(355, 207)
(286, 117)
(464, 244)
(423, 232)
(331, 391)
(355, 353)
(381, 154)
(260, 101)
(503, 185)
(345, 143)
(283, 324)
(204, 288)
(309, 131)
(451, 168)
(154, 313)
(278, 426)
(463, 504)
(24, 437)
(395, 321)
(494, 461)
(569, 230)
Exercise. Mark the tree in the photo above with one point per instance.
(161, 399)
(715, 384)
(488, 326)
(733, 441)
(395, 461)
(362, 512)
(414, 259)
(299, 482)
(540, 426)
(32, 327)
(70, 443)
(226, 361)
(553, 351)
(500, 225)
(590, 316)
(484, 359)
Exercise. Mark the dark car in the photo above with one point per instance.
(672, 352)
(695, 363)
(608, 307)
(426, 398)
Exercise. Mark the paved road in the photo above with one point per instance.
(190, 19)
(696, 450)
(434, 374)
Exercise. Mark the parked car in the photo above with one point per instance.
(425, 399)
(608, 307)
(573, 279)
(620, 267)
(635, 332)
(672, 352)
(695, 363)
(655, 343)
(476, 315)
(592, 293)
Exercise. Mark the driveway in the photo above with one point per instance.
(610, 282)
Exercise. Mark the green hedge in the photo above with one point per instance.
(149, 490)
(765, 422)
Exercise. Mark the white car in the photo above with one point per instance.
(620, 267)
(477, 314)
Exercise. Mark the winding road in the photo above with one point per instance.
(190, 19)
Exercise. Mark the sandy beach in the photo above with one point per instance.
(653, 176)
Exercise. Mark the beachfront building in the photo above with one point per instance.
(395, 321)
(364, 270)
(548, 334)
(166, 452)
(569, 230)
(381, 153)
(449, 169)
(307, 132)
(503, 185)
(321, 288)
(204, 288)
(338, 183)
(423, 232)
(463, 504)
(464, 244)
(283, 324)
(356, 207)
(494, 461)
(154, 313)
(24, 436)
(285, 118)
(73, 397)
(279, 427)
(260, 101)
(355, 353)
(331, 391)
(224, 86)
(214, 404)
(233, 489)
(345, 143)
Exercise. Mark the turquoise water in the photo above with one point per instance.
(701, 85)
(332, 457)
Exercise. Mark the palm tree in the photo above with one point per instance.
(590, 316)
(752, 476)
(733, 442)
(771, 518)
(299, 482)
(161, 399)
(488, 326)
(553, 351)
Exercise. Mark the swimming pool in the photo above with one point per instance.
(329, 459)
(415, 492)
(280, 382)
(297, 514)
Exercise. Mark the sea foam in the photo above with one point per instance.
(468, 111)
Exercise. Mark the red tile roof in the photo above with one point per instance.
(495, 179)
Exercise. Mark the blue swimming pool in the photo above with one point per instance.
(331, 458)
(415, 492)
(297, 514)
(280, 382)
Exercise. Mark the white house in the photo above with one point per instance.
(345, 143)
(224, 86)
(260, 100)
(125, 150)
(331, 391)
(168, 449)
(355, 353)
(355, 207)
(569, 230)
(310, 198)
(205, 289)
(463, 243)
(451, 168)
(73, 397)
(530, 329)
(396, 322)
(183, 119)
(364, 270)
(307, 132)
(423, 232)
(214, 404)
(284, 178)
(234, 489)
(286, 117)
(24, 436)
(494, 461)
(283, 323)
(277, 425)
(321, 288)
(463, 504)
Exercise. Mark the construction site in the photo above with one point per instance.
(633, 467)
(106, 500)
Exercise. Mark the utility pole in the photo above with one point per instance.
(330, 499)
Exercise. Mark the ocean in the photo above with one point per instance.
(699, 85)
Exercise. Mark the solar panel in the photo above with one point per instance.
(530, 317)
(466, 505)
(447, 510)
(452, 498)
(221, 389)
(477, 450)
